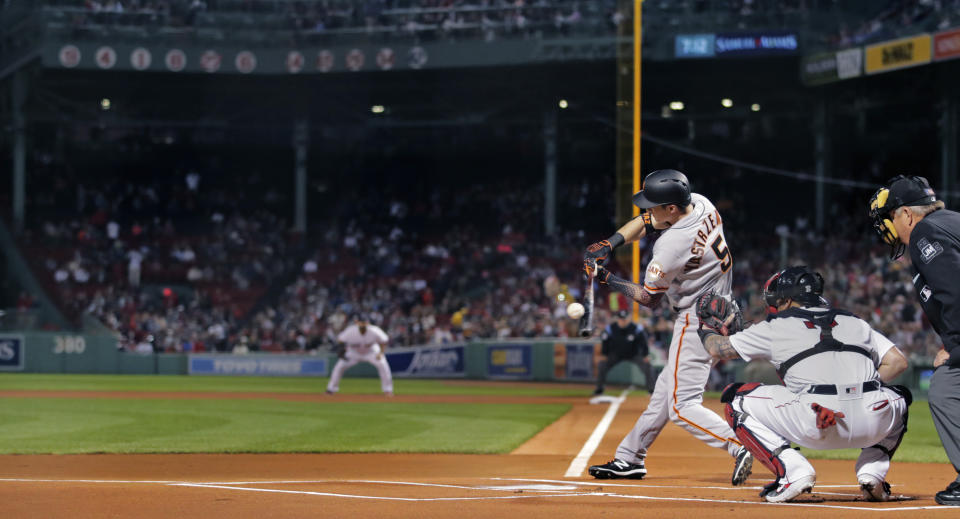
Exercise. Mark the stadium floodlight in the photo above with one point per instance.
(563, 103)
(377, 109)
(755, 107)
(726, 102)
(105, 104)
(676, 105)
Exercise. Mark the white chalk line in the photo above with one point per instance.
(381, 498)
(557, 488)
(605, 483)
(865, 508)
(764, 503)
(580, 462)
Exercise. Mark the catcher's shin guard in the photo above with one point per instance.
(769, 459)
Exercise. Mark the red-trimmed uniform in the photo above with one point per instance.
(832, 397)
(362, 346)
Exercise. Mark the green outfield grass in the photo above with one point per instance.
(81, 425)
(86, 425)
(89, 425)
(273, 385)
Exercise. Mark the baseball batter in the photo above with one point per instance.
(832, 365)
(362, 342)
(690, 258)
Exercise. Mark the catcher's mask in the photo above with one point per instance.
(900, 191)
(799, 283)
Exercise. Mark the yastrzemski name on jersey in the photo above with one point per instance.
(691, 257)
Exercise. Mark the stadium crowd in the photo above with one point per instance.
(423, 267)
(898, 18)
(428, 19)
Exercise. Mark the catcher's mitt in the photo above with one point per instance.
(719, 314)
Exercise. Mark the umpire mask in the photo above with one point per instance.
(900, 191)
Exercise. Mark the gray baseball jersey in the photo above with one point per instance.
(779, 339)
(691, 257)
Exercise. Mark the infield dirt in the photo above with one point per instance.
(686, 479)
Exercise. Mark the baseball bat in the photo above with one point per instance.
(586, 321)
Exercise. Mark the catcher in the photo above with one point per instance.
(834, 367)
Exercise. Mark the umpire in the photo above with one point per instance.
(624, 341)
(907, 215)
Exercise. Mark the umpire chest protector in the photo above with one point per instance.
(622, 341)
(825, 321)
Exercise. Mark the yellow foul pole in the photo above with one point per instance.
(637, 54)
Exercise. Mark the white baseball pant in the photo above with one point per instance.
(872, 421)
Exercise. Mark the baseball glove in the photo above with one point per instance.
(719, 314)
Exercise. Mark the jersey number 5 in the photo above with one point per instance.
(723, 254)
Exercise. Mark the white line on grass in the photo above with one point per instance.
(580, 462)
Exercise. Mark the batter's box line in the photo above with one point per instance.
(604, 483)
(565, 495)
(381, 498)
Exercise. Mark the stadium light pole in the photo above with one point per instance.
(19, 97)
(550, 170)
(301, 140)
(637, 61)
(948, 145)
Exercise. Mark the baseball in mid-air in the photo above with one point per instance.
(575, 310)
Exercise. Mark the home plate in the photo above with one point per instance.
(540, 488)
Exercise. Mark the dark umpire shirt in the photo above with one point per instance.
(935, 252)
(625, 343)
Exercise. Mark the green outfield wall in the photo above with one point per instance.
(542, 360)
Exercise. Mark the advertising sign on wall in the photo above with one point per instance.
(257, 365)
(897, 54)
(946, 44)
(849, 63)
(427, 361)
(820, 68)
(575, 361)
(510, 361)
(756, 43)
(12, 352)
(694, 45)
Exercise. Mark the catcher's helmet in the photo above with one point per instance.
(663, 186)
(799, 283)
(900, 191)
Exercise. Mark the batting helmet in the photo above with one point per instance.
(900, 191)
(799, 283)
(664, 186)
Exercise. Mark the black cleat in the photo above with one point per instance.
(742, 468)
(617, 469)
(950, 496)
